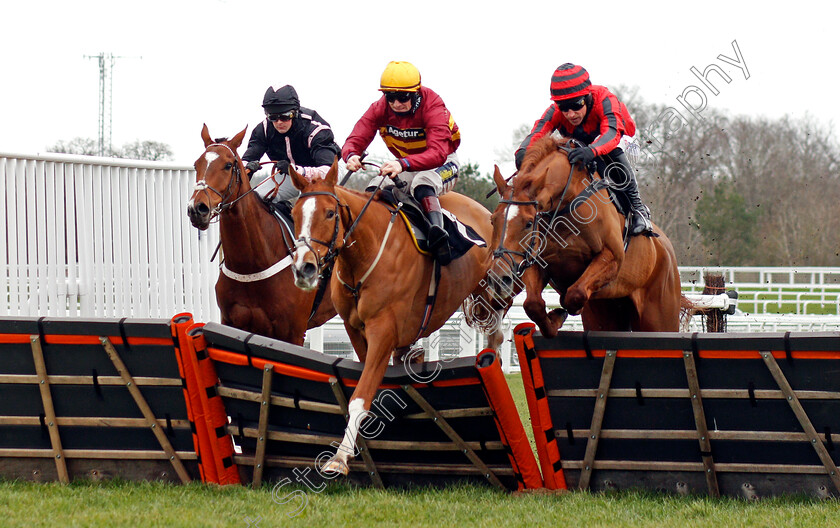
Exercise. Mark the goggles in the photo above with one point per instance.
(287, 116)
(571, 104)
(402, 97)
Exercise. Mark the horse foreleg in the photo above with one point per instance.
(381, 339)
(358, 340)
(534, 305)
(601, 271)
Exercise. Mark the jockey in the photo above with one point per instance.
(289, 135)
(421, 133)
(593, 115)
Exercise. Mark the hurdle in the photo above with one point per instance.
(741, 415)
(287, 405)
(92, 399)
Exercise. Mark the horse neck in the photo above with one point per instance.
(249, 233)
(363, 244)
(558, 179)
(590, 231)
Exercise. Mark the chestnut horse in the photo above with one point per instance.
(557, 225)
(255, 290)
(380, 282)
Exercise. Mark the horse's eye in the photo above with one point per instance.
(528, 224)
(330, 214)
(228, 166)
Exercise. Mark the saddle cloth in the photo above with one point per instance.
(282, 211)
(461, 236)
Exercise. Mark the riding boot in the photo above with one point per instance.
(622, 174)
(640, 222)
(438, 238)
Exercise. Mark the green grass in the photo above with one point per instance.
(145, 504)
(117, 504)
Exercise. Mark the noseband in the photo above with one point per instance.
(507, 254)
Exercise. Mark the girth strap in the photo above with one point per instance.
(430, 300)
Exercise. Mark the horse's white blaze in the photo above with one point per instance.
(511, 213)
(210, 157)
(356, 409)
(308, 209)
(200, 185)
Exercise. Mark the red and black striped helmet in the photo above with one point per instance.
(569, 81)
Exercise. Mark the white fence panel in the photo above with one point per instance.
(780, 290)
(102, 237)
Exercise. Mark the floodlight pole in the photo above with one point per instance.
(106, 85)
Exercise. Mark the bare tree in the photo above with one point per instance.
(78, 145)
(145, 150)
(141, 150)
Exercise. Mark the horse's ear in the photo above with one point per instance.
(543, 199)
(205, 135)
(297, 180)
(332, 175)
(500, 182)
(237, 139)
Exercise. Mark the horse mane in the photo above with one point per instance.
(220, 140)
(539, 150)
(355, 192)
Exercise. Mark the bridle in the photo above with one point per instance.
(326, 261)
(233, 184)
(528, 257)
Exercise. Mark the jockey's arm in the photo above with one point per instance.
(313, 173)
(546, 124)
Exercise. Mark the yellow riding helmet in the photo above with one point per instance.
(400, 76)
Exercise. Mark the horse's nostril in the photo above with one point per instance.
(308, 270)
(202, 208)
(507, 281)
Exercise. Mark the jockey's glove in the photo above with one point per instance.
(581, 154)
(252, 167)
(282, 167)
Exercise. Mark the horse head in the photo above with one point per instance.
(521, 221)
(218, 178)
(318, 226)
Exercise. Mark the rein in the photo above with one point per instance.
(332, 248)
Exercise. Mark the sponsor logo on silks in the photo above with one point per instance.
(410, 133)
(448, 172)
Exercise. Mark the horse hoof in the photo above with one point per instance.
(557, 317)
(335, 467)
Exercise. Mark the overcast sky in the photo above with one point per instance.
(210, 61)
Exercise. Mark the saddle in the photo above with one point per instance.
(461, 236)
(618, 199)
